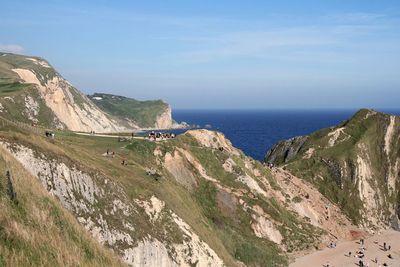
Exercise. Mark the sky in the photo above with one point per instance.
(218, 54)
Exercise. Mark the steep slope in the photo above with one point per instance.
(355, 164)
(143, 114)
(35, 230)
(32, 91)
(192, 200)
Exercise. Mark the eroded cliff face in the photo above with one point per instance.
(36, 93)
(103, 208)
(164, 120)
(356, 164)
(70, 107)
(248, 187)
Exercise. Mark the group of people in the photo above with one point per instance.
(50, 134)
(360, 254)
(269, 165)
(110, 153)
(153, 136)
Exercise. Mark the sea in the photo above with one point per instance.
(256, 131)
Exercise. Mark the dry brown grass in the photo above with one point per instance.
(37, 231)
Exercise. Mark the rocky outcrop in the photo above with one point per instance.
(355, 164)
(51, 101)
(150, 114)
(71, 107)
(96, 201)
(285, 150)
(164, 120)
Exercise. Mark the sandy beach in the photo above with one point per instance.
(339, 256)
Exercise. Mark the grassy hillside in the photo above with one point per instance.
(143, 113)
(355, 164)
(222, 210)
(37, 231)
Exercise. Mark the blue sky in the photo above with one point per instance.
(218, 54)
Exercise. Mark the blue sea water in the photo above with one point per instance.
(256, 131)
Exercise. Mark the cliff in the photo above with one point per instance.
(355, 164)
(32, 91)
(192, 200)
(36, 230)
(141, 114)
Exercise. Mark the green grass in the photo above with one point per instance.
(236, 233)
(368, 133)
(144, 113)
(229, 234)
(37, 231)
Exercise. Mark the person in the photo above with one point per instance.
(360, 263)
(384, 246)
(389, 247)
(349, 253)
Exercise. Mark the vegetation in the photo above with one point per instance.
(37, 231)
(333, 168)
(143, 113)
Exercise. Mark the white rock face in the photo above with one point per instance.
(252, 184)
(194, 251)
(214, 140)
(389, 134)
(58, 96)
(149, 253)
(79, 192)
(153, 208)
(334, 135)
(39, 62)
(368, 191)
(175, 164)
(31, 108)
(264, 228)
(164, 121)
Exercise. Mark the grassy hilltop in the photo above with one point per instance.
(142, 113)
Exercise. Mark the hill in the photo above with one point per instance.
(190, 200)
(355, 164)
(144, 114)
(32, 91)
(35, 230)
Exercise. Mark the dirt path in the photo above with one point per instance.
(120, 136)
(338, 257)
(109, 135)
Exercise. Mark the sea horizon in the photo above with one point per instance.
(255, 131)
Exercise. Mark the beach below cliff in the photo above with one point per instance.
(339, 256)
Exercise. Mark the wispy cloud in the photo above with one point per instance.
(340, 34)
(11, 48)
(356, 17)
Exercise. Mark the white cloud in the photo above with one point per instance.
(11, 48)
(356, 17)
